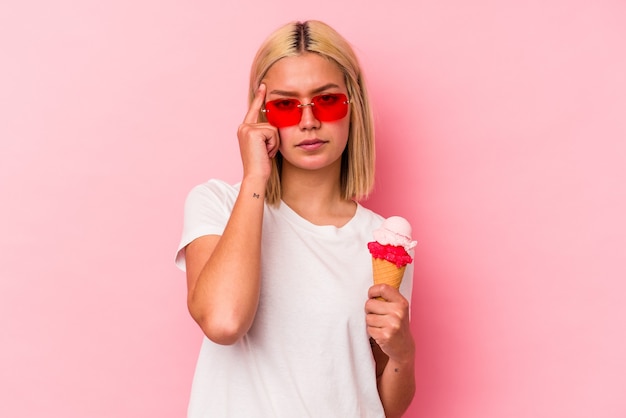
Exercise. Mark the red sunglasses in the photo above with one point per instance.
(288, 112)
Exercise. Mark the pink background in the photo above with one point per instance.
(501, 136)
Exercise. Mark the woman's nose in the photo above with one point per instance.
(308, 119)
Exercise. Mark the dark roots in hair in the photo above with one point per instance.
(302, 38)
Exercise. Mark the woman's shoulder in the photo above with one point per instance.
(213, 191)
(368, 216)
(216, 187)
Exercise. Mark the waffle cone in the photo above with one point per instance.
(387, 272)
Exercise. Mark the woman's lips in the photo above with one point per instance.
(311, 144)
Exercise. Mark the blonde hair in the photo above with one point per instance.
(296, 38)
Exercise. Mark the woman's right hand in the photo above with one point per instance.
(258, 142)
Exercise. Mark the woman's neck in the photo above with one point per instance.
(316, 195)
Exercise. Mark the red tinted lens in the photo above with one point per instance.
(283, 112)
(330, 107)
(288, 112)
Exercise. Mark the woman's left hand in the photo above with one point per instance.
(388, 322)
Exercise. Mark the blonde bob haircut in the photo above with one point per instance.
(296, 38)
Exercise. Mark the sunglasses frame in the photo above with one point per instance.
(342, 100)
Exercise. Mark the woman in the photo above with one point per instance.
(278, 272)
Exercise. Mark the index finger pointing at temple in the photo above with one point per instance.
(253, 112)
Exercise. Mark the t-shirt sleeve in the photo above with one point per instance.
(207, 209)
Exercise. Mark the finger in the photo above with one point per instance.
(273, 144)
(255, 107)
(375, 321)
(375, 334)
(396, 306)
(379, 335)
(376, 306)
(271, 138)
(388, 293)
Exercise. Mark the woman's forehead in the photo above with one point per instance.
(304, 73)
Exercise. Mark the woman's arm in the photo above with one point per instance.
(393, 348)
(223, 280)
(223, 272)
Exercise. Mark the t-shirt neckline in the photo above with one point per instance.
(286, 211)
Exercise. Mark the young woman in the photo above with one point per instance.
(278, 271)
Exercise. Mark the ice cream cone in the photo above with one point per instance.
(390, 251)
(387, 272)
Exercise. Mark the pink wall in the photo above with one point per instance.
(502, 137)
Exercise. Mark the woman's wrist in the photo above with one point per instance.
(254, 185)
(406, 357)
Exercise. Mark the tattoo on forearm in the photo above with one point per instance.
(256, 196)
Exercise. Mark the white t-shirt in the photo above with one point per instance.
(308, 352)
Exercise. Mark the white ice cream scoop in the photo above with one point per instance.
(395, 230)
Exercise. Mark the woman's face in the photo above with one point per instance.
(311, 144)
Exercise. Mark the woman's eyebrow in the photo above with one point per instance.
(293, 94)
